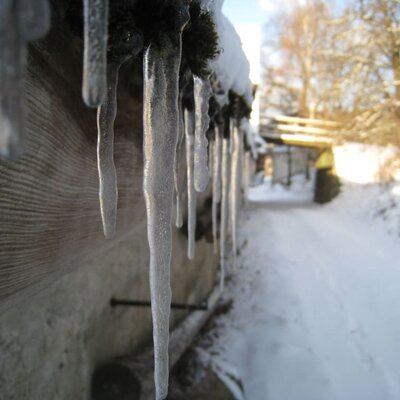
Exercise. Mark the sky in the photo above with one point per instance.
(246, 11)
(258, 11)
(248, 17)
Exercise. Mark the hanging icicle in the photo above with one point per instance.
(234, 190)
(120, 49)
(202, 94)
(181, 135)
(108, 188)
(35, 18)
(246, 175)
(191, 193)
(216, 182)
(20, 22)
(94, 83)
(161, 65)
(211, 158)
(240, 175)
(224, 206)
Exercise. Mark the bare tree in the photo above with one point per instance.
(342, 67)
(293, 61)
(376, 32)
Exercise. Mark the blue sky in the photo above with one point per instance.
(258, 11)
(245, 11)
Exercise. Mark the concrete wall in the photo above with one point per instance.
(51, 342)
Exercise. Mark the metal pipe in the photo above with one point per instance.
(144, 303)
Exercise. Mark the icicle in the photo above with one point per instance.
(108, 189)
(235, 186)
(202, 94)
(94, 84)
(211, 158)
(20, 22)
(246, 175)
(161, 123)
(224, 206)
(240, 172)
(189, 135)
(181, 134)
(35, 18)
(216, 182)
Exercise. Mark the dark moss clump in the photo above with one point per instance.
(214, 108)
(187, 96)
(238, 107)
(123, 37)
(135, 24)
(200, 40)
(155, 18)
(73, 16)
(234, 111)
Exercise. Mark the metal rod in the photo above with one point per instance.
(143, 303)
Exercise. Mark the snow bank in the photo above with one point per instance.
(301, 191)
(379, 204)
(313, 302)
(361, 163)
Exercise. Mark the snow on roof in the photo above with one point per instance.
(231, 66)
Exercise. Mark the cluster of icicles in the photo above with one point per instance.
(167, 126)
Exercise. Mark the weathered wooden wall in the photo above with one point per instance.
(57, 272)
(49, 207)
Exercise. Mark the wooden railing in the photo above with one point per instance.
(298, 131)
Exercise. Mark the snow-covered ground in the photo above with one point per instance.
(316, 299)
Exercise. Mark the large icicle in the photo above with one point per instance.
(224, 206)
(202, 94)
(216, 182)
(108, 189)
(20, 22)
(234, 190)
(94, 83)
(160, 124)
(191, 193)
(181, 135)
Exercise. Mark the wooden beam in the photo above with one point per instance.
(298, 140)
(305, 121)
(301, 129)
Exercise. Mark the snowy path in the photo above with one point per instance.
(317, 307)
